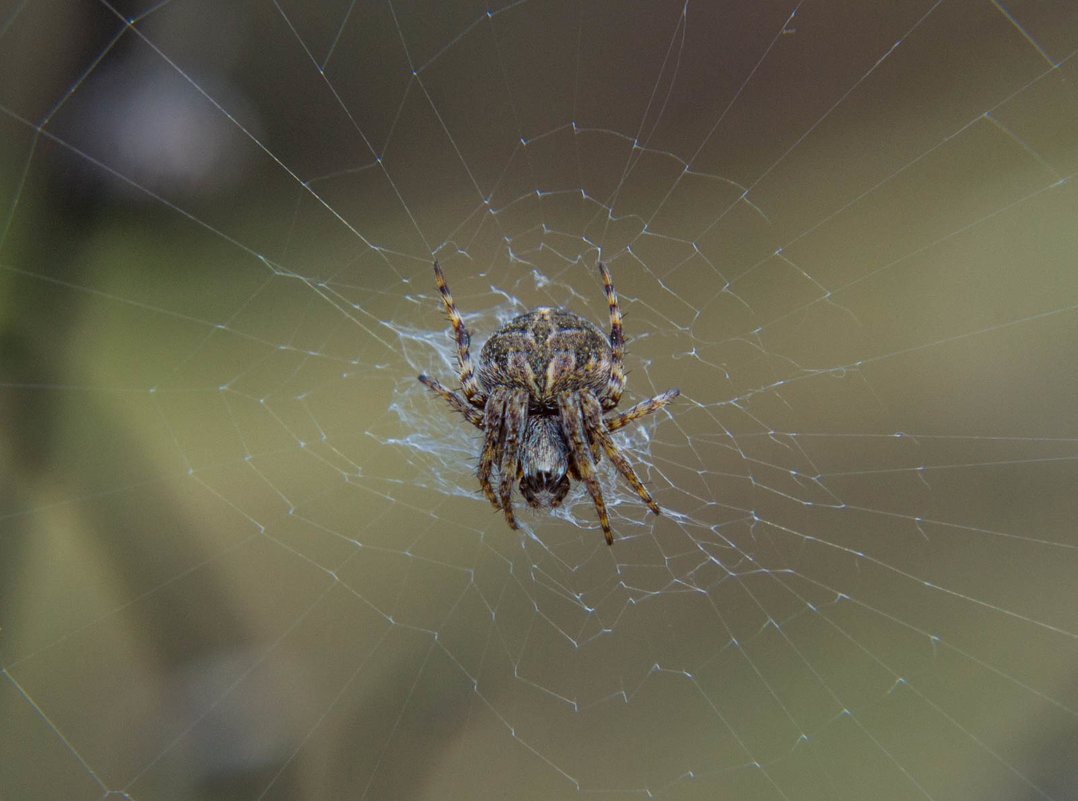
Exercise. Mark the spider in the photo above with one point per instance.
(544, 381)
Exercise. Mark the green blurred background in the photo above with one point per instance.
(243, 554)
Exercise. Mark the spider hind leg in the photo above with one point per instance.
(616, 383)
(468, 382)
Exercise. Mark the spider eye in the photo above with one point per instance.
(545, 489)
(546, 461)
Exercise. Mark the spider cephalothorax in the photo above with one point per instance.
(545, 379)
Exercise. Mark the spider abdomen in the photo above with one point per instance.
(546, 351)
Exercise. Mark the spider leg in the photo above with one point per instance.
(493, 416)
(471, 414)
(616, 383)
(573, 425)
(596, 427)
(516, 417)
(468, 382)
(644, 407)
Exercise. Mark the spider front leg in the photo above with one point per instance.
(644, 407)
(596, 428)
(573, 425)
(493, 417)
(471, 414)
(468, 382)
(516, 418)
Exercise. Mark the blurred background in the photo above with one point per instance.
(243, 552)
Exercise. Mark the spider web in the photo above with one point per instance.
(244, 552)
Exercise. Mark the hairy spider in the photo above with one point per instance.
(545, 379)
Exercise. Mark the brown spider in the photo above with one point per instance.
(544, 381)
